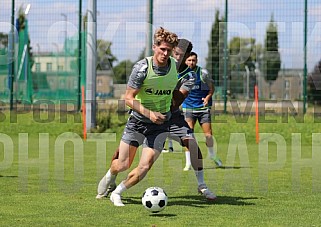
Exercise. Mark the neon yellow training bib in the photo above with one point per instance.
(157, 91)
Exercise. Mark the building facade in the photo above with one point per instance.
(58, 72)
(287, 86)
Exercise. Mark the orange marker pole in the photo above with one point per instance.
(256, 114)
(83, 107)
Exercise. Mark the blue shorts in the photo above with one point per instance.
(151, 135)
(200, 116)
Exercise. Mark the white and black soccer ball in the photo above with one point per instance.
(154, 199)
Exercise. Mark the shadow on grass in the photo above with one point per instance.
(235, 200)
(162, 215)
(229, 167)
(8, 176)
(199, 201)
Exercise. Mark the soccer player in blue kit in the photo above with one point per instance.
(197, 107)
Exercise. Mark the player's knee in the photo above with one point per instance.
(142, 170)
(209, 139)
(134, 176)
(122, 166)
(190, 143)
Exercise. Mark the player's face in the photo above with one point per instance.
(178, 54)
(162, 53)
(191, 61)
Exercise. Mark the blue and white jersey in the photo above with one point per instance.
(194, 100)
(186, 79)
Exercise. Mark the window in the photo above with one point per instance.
(49, 67)
(286, 96)
(62, 84)
(273, 96)
(75, 83)
(100, 82)
(286, 84)
(51, 82)
(60, 68)
(38, 67)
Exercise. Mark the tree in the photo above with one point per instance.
(84, 21)
(21, 28)
(142, 54)
(3, 41)
(105, 58)
(122, 70)
(314, 84)
(242, 52)
(271, 54)
(214, 63)
(3, 51)
(242, 58)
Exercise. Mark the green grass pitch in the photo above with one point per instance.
(49, 176)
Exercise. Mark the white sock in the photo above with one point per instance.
(188, 158)
(110, 177)
(120, 188)
(211, 152)
(170, 143)
(200, 177)
(106, 180)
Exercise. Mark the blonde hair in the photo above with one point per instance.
(163, 35)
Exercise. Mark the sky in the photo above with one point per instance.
(124, 24)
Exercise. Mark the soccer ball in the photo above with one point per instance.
(154, 199)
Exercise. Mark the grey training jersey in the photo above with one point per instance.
(137, 77)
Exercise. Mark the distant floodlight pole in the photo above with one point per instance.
(305, 56)
(79, 57)
(149, 28)
(225, 57)
(26, 60)
(91, 65)
(65, 36)
(247, 82)
(12, 55)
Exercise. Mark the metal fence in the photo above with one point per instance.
(55, 31)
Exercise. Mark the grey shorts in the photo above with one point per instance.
(151, 135)
(201, 117)
(179, 128)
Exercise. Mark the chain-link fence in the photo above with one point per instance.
(264, 45)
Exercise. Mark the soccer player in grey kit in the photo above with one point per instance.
(179, 130)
